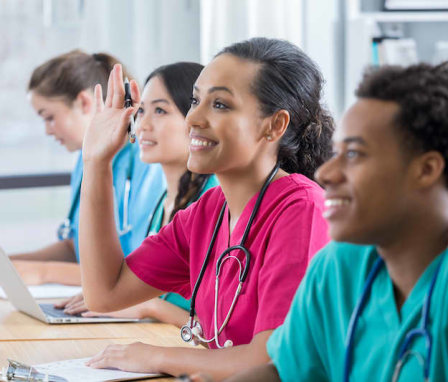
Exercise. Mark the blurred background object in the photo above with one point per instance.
(342, 36)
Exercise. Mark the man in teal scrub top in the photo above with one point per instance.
(387, 205)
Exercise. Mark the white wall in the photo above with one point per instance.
(313, 25)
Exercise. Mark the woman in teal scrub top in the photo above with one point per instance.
(61, 92)
(387, 205)
(163, 138)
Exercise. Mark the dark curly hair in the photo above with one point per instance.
(421, 92)
(288, 79)
(179, 79)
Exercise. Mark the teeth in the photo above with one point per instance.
(145, 142)
(336, 202)
(200, 142)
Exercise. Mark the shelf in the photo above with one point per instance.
(406, 17)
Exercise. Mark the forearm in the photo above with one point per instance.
(60, 251)
(100, 250)
(164, 311)
(61, 273)
(264, 373)
(219, 363)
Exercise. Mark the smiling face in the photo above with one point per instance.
(225, 122)
(161, 131)
(368, 191)
(66, 123)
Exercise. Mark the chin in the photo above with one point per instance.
(198, 167)
(147, 159)
(341, 234)
(72, 149)
(350, 236)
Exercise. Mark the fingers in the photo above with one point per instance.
(63, 303)
(118, 88)
(94, 314)
(110, 89)
(98, 95)
(135, 92)
(125, 118)
(76, 308)
(107, 358)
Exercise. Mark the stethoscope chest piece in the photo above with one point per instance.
(192, 331)
(65, 230)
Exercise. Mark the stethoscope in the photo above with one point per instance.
(405, 351)
(66, 231)
(192, 331)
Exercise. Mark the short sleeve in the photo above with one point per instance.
(299, 232)
(292, 347)
(162, 260)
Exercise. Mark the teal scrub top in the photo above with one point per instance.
(310, 345)
(175, 298)
(147, 182)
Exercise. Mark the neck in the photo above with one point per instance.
(240, 186)
(173, 173)
(408, 256)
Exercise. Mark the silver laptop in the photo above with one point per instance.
(19, 295)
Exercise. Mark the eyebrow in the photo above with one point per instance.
(159, 100)
(359, 140)
(215, 89)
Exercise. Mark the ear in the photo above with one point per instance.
(278, 123)
(86, 101)
(428, 169)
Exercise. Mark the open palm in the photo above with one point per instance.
(107, 131)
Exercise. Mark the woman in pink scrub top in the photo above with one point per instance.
(255, 106)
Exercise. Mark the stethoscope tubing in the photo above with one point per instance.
(410, 336)
(67, 224)
(222, 257)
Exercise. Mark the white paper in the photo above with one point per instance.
(75, 370)
(50, 291)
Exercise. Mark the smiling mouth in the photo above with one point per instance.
(202, 142)
(146, 142)
(334, 207)
(336, 202)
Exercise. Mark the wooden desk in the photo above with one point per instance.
(18, 326)
(31, 341)
(37, 352)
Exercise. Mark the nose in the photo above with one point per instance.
(329, 173)
(49, 128)
(196, 117)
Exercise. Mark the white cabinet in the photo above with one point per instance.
(366, 18)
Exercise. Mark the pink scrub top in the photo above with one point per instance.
(287, 231)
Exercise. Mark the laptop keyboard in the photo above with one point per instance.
(51, 311)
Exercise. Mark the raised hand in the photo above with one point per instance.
(107, 131)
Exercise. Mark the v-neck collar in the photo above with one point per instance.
(240, 226)
(384, 289)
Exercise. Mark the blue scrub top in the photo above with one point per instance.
(147, 183)
(310, 345)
